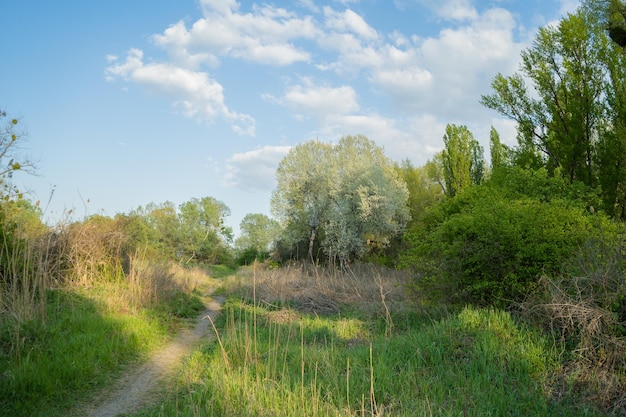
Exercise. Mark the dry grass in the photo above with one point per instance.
(322, 291)
(584, 312)
(25, 279)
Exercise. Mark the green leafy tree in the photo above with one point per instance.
(424, 190)
(559, 116)
(616, 17)
(611, 147)
(610, 16)
(491, 243)
(369, 200)
(301, 198)
(258, 232)
(351, 192)
(500, 153)
(462, 159)
(203, 235)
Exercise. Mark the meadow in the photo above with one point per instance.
(298, 340)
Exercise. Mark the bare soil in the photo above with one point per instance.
(137, 388)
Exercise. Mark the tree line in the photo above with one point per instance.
(485, 229)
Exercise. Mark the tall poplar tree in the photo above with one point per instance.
(560, 113)
(462, 159)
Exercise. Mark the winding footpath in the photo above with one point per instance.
(135, 389)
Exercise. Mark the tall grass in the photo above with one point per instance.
(23, 280)
(74, 352)
(282, 351)
(75, 309)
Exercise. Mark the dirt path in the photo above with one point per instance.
(135, 389)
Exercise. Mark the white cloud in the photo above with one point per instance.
(568, 6)
(456, 9)
(310, 5)
(447, 74)
(221, 6)
(321, 101)
(255, 170)
(446, 9)
(442, 75)
(348, 21)
(194, 93)
(265, 35)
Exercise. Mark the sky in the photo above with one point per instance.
(131, 102)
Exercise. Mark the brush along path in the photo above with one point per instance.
(134, 390)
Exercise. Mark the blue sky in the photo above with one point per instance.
(128, 102)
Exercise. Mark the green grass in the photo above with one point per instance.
(46, 367)
(280, 362)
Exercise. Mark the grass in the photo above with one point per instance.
(330, 345)
(89, 336)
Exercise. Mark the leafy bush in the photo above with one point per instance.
(249, 255)
(490, 244)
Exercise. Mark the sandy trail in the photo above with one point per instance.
(134, 390)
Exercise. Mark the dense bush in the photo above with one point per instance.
(491, 243)
(249, 255)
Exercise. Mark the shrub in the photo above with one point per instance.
(490, 244)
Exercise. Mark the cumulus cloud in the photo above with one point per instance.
(265, 35)
(414, 78)
(194, 93)
(458, 10)
(255, 170)
(322, 102)
(348, 21)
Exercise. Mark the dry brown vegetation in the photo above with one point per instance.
(319, 290)
(585, 312)
(93, 254)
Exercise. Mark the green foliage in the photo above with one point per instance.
(462, 159)
(258, 234)
(58, 362)
(195, 231)
(250, 255)
(12, 254)
(349, 193)
(490, 244)
(500, 153)
(571, 118)
(476, 362)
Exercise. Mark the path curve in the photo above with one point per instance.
(133, 390)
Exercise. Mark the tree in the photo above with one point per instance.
(10, 140)
(258, 232)
(300, 200)
(565, 67)
(500, 153)
(163, 225)
(203, 234)
(350, 192)
(462, 158)
(491, 243)
(610, 16)
(424, 190)
(369, 200)
(617, 22)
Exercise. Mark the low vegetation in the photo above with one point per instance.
(355, 345)
(72, 318)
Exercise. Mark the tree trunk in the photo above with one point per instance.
(311, 242)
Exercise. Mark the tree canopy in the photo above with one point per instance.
(349, 192)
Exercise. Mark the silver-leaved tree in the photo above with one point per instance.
(349, 194)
